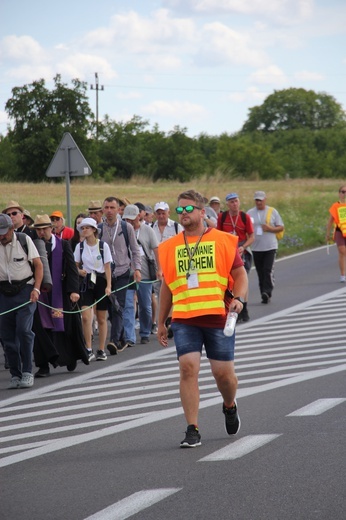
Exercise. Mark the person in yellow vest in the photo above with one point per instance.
(202, 270)
(337, 221)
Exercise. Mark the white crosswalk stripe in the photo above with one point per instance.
(282, 349)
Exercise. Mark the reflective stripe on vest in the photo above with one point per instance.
(213, 261)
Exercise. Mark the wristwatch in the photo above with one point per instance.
(240, 299)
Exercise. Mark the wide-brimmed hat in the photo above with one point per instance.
(42, 221)
(95, 205)
(88, 221)
(5, 223)
(27, 214)
(131, 211)
(13, 204)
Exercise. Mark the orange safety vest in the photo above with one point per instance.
(338, 212)
(213, 261)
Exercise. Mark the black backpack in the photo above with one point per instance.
(224, 215)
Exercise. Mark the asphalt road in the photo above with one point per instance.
(103, 442)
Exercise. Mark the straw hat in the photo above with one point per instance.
(13, 204)
(42, 221)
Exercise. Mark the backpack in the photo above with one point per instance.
(41, 248)
(175, 227)
(224, 215)
(279, 234)
(125, 233)
(101, 248)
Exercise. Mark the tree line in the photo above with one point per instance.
(295, 133)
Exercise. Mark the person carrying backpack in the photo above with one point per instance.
(93, 259)
(236, 222)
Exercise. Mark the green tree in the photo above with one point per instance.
(240, 157)
(295, 108)
(40, 117)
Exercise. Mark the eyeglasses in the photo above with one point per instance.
(188, 209)
(55, 218)
(13, 214)
(341, 191)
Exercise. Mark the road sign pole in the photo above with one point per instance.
(67, 180)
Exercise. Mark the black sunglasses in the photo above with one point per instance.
(13, 213)
(341, 191)
(188, 209)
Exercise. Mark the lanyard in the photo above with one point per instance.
(191, 252)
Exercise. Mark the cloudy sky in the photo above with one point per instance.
(199, 64)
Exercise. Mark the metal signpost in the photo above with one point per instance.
(67, 162)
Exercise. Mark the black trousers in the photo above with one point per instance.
(264, 264)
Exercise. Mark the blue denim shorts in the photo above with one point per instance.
(191, 339)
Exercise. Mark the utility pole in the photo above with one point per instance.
(97, 87)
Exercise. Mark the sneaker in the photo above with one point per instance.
(130, 343)
(91, 355)
(27, 380)
(101, 355)
(265, 297)
(232, 420)
(122, 346)
(14, 383)
(154, 328)
(137, 324)
(192, 437)
(342, 279)
(112, 348)
(42, 372)
(144, 341)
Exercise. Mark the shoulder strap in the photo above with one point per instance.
(81, 247)
(100, 229)
(269, 214)
(223, 217)
(101, 248)
(243, 217)
(22, 240)
(126, 236)
(176, 227)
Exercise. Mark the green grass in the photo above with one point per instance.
(303, 204)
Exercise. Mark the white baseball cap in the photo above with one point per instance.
(161, 205)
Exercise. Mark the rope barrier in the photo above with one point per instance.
(79, 310)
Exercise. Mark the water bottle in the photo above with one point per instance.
(230, 323)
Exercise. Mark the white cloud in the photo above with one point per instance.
(222, 45)
(271, 75)
(79, 65)
(248, 96)
(21, 48)
(176, 109)
(284, 11)
(140, 35)
(305, 75)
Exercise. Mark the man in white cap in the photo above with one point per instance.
(164, 228)
(215, 203)
(21, 273)
(267, 222)
(148, 246)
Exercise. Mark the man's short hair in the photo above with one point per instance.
(111, 199)
(193, 195)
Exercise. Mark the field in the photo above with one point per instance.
(303, 204)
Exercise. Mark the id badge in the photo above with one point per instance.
(192, 281)
(93, 277)
(141, 250)
(259, 230)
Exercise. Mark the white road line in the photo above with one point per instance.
(317, 407)
(133, 504)
(157, 416)
(240, 448)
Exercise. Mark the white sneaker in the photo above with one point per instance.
(342, 279)
(27, 380)
(14, 383)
